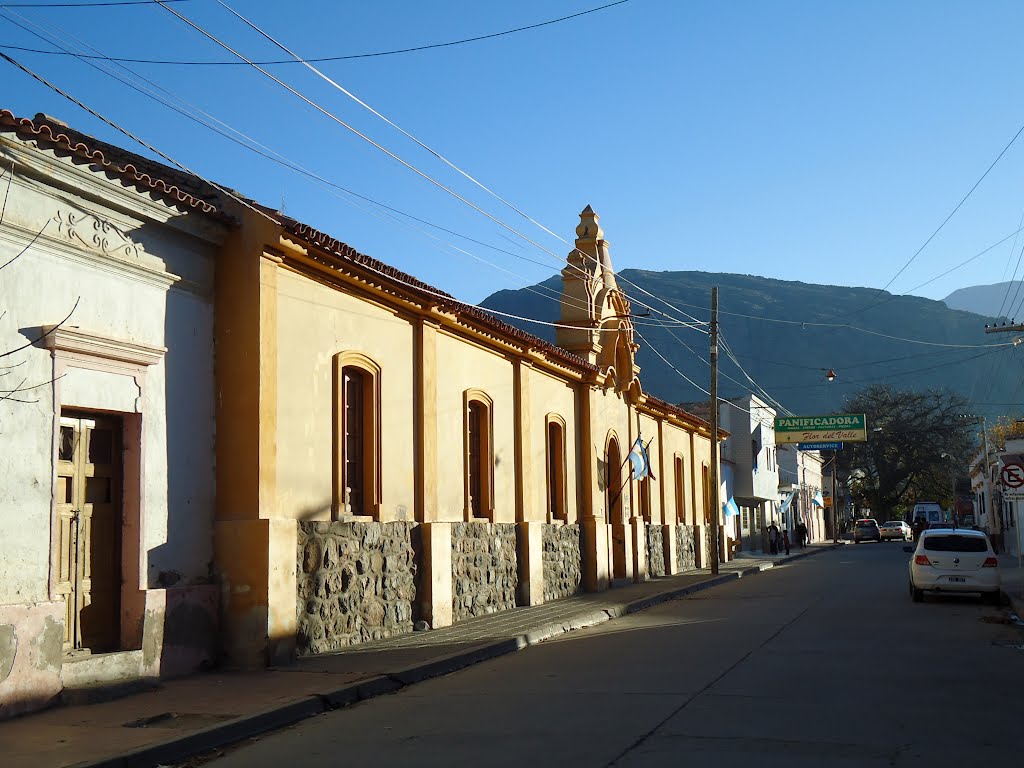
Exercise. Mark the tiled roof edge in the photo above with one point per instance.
(449, 302)
(88, 148)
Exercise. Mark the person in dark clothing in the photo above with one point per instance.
(801, 535)
(785, 540)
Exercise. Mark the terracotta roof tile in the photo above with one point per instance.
(445, 300)
(187, 191)
(184, 191)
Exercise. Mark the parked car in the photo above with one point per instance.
(954, 560)
(866, 529)
(931, 511)
(896, 529)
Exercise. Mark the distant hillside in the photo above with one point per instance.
(790, 359)
(987, 299)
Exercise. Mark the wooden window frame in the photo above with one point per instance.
(371, 434)
(679, 468)
(555, 485)
(480, 399)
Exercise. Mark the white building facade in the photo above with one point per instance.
(107, 418)
(753, 454)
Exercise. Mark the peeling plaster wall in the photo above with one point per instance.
(30, 656)
(134, 271)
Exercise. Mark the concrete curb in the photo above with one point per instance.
(216, 736)
(182, 747)
(1016, 603)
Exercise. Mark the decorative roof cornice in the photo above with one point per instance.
(182, 190)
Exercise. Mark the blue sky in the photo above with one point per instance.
(813, 141)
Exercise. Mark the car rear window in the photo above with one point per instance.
(891, 524)
(866, 523)
(955, 543)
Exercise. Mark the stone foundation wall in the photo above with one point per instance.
(484, 569)
(356, 583)
(686, 555)
(562, 563)
(655, 550)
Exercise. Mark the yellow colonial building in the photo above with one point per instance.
(240, 439)
(387, 454)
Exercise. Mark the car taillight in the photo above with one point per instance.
(990, 562)
(922, 560)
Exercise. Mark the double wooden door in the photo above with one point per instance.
(88, 552)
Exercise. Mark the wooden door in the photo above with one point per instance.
(88, 532)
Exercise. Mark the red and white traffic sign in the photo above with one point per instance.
(1013, 476)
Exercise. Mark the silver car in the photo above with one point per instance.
(895, 529)
(954, 560)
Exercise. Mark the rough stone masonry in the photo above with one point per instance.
(356, 583)
(484, 572)
(562, 563)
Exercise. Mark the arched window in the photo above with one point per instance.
(680, 486)
(556, 469)
(479, 456)
(356, 486)
(613, 482)
(706, 488)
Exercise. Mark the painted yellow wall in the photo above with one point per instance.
(463, 366)
(316, 322)
(609, 412)
(677, 443)
(549, 395)
(649, 432)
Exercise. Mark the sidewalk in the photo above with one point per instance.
(204, 712)
(1012, 579)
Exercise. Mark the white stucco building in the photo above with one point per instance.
(106, 416)
(800, 483)
(751, 450)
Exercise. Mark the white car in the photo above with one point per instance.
(954, 560)
(896, 529)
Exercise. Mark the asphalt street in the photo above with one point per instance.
(824, 661)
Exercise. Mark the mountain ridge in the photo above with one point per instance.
(786, 334)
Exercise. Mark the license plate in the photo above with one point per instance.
(958, 579)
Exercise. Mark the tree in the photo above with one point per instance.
(917, 446)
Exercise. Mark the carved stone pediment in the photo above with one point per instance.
(97, 234)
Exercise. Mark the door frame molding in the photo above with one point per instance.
(77, 348)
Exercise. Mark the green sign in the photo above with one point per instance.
(847, 427)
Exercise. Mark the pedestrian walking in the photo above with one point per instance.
(801, 534)
(785, 540)
(773, 539)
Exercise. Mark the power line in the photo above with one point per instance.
(317, 59)
(435, 153)
(255, 146)
(388, 152)
(247, 204)
(86, 4)
(944, 221)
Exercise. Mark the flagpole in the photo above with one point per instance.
(714, 430)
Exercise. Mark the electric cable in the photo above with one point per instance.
(394, 156)
(317, 59)
(944, 221)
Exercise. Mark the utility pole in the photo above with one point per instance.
(985, 486)
(835, 501)
(715, 506)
